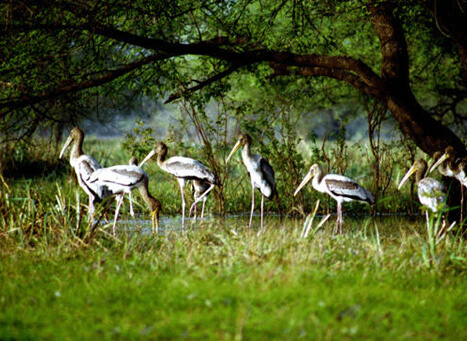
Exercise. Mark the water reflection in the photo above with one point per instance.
(385, 223)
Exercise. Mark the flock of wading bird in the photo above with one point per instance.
(100, 183)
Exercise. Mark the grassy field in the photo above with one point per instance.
(63, 278)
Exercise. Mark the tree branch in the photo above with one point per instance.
(26, 100)
(202, 84)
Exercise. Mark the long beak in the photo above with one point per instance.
(67, 144)
(305, 180)
(234, 149)
(407, 175)
(150, 155)
(437, 163)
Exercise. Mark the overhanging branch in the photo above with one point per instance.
(202, 84)
(26, 100)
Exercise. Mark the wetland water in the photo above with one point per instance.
(388, 223)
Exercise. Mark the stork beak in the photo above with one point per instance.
(67, 144)
(407, 175)
(437, 163)
(150, 155)
(234, 149)
(305, 180)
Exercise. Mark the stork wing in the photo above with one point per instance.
(184, 167)
(124, 175)
(345, 187)
(268, 173)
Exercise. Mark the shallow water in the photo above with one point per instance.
(238, 222)
(234, 222)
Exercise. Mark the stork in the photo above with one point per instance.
(198, 187)
(84, 165)
(260, 171)
(449, 165)
(121, 179)
(430, 191)
(339, 187)
(183, 168)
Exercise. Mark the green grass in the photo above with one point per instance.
(214, 283)
(382, 279)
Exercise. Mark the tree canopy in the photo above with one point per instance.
(62, 60)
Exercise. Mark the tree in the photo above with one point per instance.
(58, 49)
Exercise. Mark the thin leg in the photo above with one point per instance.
(131, 205)
(201, 197)
(262, 205)
(195, 209)
(339, 218)
(181, 182)
(92, 209)
(427, 224)
(252, 203)
(462, 204)
(202, 210)
(117, 211)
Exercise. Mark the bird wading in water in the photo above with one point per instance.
(184, 169)
(339, 187)
(260, 171)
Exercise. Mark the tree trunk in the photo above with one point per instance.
(428, 134)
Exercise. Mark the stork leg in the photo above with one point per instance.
(201, 197)
(462, 205)
(195, 213)
(339, 218)
(181, 182)
(117, 211)
(262, 205)
(252, 203)
(92, 208)
(202, 209)
(131, 205)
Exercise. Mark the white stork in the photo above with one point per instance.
(84, 165)
(339, 187)
(183, 168)
(449, 165)
(260, 171)
(430, 191)
(198, 188)
(121, 179)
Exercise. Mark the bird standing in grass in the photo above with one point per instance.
(83, 165)
(260, 172)
(121, 179)
(184, 169)
(430, 191)
(339, 187)
(448, 164)
(198, 187)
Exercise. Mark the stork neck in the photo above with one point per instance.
(77, 149)
(161, 157)
(150, 201)
(246, 151)
(421, 172)
(318, 178)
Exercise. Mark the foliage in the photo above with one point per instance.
(55, 49)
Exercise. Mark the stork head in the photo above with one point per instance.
(449, 154)
(133, 161)
(419, 167)
(77, 136)
(315, 169)
(160, 150)
(243, 140)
